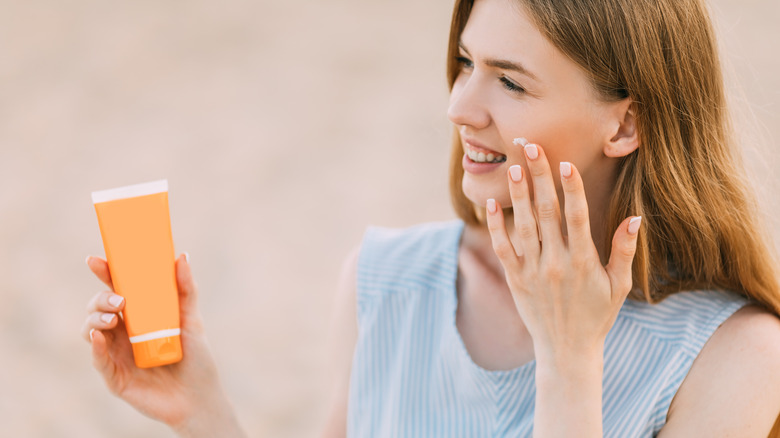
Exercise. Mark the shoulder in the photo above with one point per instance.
(404, 239)
(418, 256)
(733, 386)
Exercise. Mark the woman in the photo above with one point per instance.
(592, 161)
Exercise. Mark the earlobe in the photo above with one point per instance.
(624, 137)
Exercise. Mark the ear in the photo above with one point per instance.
(623, 136)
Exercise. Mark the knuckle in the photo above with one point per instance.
(627, 249)
(580, 263)
(517, 193)
(92, 303)
(546, 210)
(503, 249)
(572, 186)
(537, 169)
(552, 271)
(527, 231)
(578, 217)
(494, 226)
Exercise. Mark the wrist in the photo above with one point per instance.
(215, 417)
(571, 363)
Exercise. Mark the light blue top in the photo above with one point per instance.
(412, 375)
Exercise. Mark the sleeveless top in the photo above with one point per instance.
(413, 377)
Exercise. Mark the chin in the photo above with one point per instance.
(479, 193)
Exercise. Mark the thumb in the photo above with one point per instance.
(188, 290)
(621, 258)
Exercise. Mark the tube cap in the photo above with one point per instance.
(157, 352)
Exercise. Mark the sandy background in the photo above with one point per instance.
(284, 129)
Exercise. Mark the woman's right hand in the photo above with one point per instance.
(186, 395)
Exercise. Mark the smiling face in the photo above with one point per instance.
(514, 83)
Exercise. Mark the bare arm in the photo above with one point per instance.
(343, 339)
(733, 387)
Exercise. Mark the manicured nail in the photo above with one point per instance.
(565, 169)
(531, 151)
(91, 332)
(520, 141)
(116, 300)
(187, 257)
(87, 260)
(516, 173)
(633, 225)
(491, 206)
(107, 317)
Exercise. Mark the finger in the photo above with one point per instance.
(98, 321)
(575, 208)
(106, 301)
(622, 257)
(99, 267)
(188, 291)
(502, 246)
(545, 197)
(101, 359)
(523, 215)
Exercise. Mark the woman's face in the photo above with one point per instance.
(515, 83)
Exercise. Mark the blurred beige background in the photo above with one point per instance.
(284, 129)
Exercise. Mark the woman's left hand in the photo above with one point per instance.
(567, 299)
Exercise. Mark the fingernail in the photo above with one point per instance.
(187, 257)
(565, 169)
(116, 300)
(91, 332)
(531, 151)
(491, 205)
(107, 317)
(87, 260)
(516, 173)
(633, 225)
(520, 141)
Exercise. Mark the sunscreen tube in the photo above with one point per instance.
(136, 228)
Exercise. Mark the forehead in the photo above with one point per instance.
(501, 29)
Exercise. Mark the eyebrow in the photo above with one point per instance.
(503, 64)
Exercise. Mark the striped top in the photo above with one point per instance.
(413, 377)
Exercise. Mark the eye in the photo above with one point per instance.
(511, 86)
(464, 63)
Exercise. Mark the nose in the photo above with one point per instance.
(467, 104)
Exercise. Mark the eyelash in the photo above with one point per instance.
(508, 84)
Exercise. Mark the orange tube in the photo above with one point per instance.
(136, 228)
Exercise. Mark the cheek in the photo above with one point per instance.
(565, 135)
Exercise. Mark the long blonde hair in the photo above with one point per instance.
(700, 224)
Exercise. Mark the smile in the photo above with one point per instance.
(479, 155)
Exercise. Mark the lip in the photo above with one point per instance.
(479, 147)
(479, 168)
